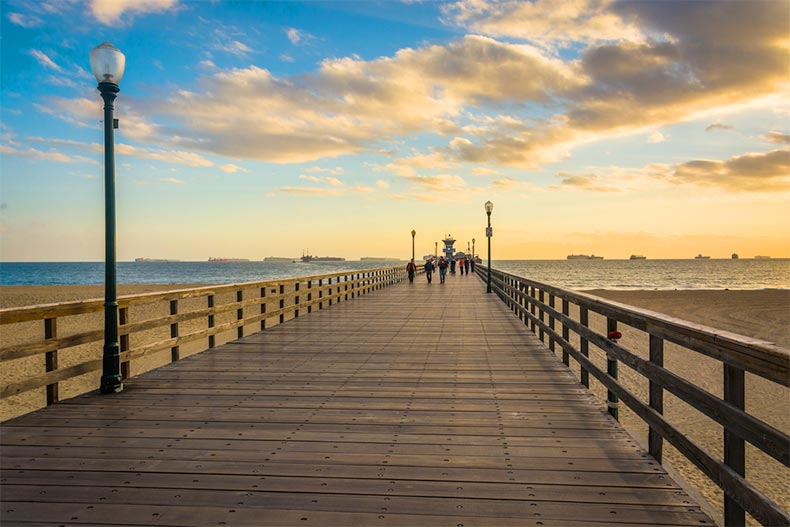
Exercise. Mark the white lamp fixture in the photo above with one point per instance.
(107, 63)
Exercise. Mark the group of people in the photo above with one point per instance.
(466, 265)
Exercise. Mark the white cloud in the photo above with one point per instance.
(382, 184)
(231, 168)
(547, 22)
(168, 156)
(656, 137)
(172, 180)
(52, 155)
(312, 191)
(777, 137)
(23, 20)
(109, 12)
(297, 36)
(286, 58)
(325, 179)
(334, 171)
(45, 61)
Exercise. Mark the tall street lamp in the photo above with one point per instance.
(473, 249)
(107, 63)
(413, 233)
(489, 207)
(436, 250)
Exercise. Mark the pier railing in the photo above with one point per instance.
(53, 351)
(537, 305)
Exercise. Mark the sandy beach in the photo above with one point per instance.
(763, 314)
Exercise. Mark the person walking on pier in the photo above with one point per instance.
(442, 269)
(429, 267)
(461, 265)
(472, 264)
(452, 265)
(466, 264)
(411, 268)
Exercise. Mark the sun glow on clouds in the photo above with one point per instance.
(110, 11)
(502, 111)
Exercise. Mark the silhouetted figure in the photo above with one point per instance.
(411, 268)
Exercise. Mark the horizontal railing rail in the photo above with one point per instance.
(252, 303)
(738, 355)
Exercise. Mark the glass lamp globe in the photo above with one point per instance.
(489, 207)
(413, 233)
(107, 63)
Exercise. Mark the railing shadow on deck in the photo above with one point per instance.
(738, 355)
(196, 319)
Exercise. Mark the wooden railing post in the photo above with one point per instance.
(296, 300)
(551, 325)
(263, 307)
(240, 313)
(654, 440)
(320, 294)
(532, 307)
(309, 296)
(210, 301)
(123, 340)
(584, 346)
(282, 303)
(51, 358)
(734, 452)
(612, 401)
(175, 351)
(566, 332)
(541, 313)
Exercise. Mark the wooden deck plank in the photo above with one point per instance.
(415, 405)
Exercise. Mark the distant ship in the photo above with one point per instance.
(279, 259)
(735, 256)
(701, 257)
(583, 257)
(638, 257)
(228, 260)
(154, 260)
(762, 257)
(306, 258)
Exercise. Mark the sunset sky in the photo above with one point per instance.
(252, 129)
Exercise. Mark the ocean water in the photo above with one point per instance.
(573, 274)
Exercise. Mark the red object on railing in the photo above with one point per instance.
(614, 335)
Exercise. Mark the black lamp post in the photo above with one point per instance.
(473, 249)
(413, 234)
(107, 63)
(436, 250)
(489, 207)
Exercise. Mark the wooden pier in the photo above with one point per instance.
(416, 405)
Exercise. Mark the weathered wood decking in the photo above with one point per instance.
(415, 405)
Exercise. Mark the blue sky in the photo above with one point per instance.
(251, 129)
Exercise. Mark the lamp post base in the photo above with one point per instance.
(111, 382)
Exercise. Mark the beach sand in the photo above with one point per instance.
(763, 314)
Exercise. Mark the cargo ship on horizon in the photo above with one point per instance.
(228, 260)
(307, 258)
(583, 257)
